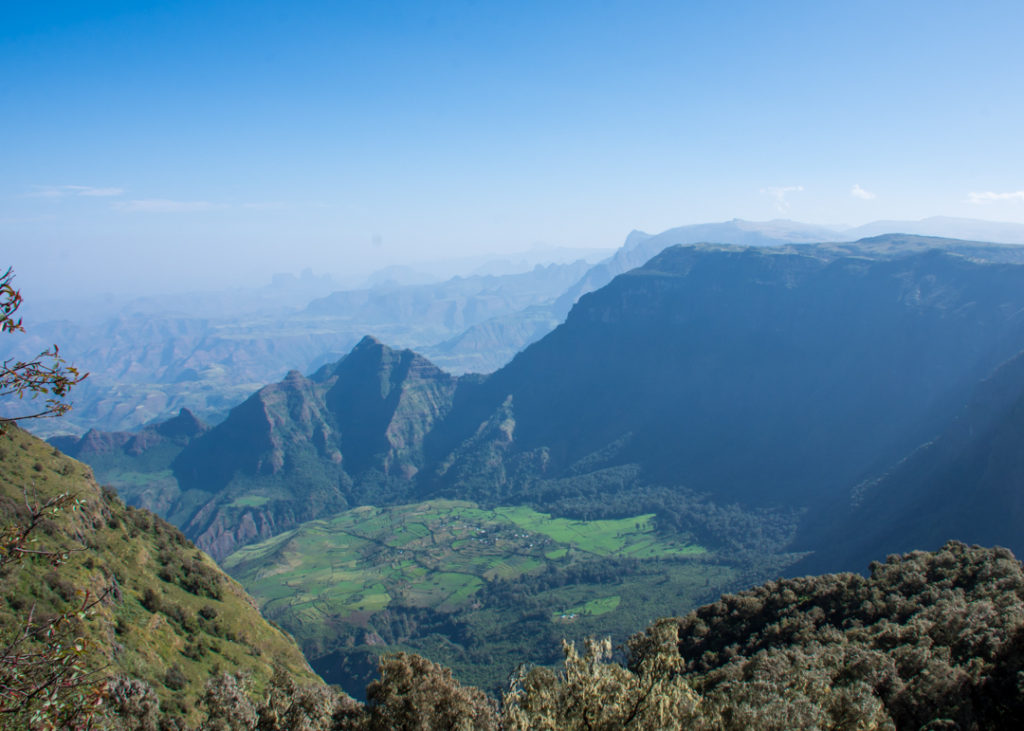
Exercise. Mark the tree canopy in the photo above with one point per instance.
(46, 375)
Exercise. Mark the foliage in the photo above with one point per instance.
(927, 638)
(414, 694)
(171, 633)
(45, 375)
(132, 704)
(49, 676)
(478, 590)
(593, 693)
(288, 707)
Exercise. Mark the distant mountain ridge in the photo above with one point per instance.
(811, 367)
(151, 356)
(307, 447)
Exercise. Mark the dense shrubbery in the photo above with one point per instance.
(926, 637)
(927, 641)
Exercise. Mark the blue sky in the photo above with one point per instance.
(160, 146)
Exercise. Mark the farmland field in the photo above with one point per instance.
(461, 584)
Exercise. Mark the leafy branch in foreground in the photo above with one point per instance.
(45, 375)
(45, 677)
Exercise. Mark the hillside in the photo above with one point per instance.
(926, 640)
(137, 464)
(964, 484)
(772, 378)
(350, 434)
(807, 366)
(168, 615)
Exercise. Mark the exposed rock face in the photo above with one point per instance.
(177, 431)
(307, 447)
(772, 378)
(766, 376)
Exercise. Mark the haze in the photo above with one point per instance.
(164, 147)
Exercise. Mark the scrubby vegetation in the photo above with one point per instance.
(162, 641)
(109, 591)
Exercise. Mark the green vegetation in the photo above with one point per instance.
(593, 608)
(633, 537)
(928, 640)
(435, 555)
(249, 501)
(477, 589)
(169, 617)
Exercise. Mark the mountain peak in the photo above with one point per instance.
(368, 341)
(185, 424)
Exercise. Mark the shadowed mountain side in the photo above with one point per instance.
(761, 375)
(770, 377)
(306, 447)
(640, 247)
(968, 485)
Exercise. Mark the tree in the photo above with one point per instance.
(415, 694)
(594, 693)
(46, 375)
(47, 674)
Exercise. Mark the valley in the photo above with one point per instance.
(712, 419)
(511, 366)
(481, 577)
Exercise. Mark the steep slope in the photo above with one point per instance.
(771, 377)
(168, 615)
(306, 447)
(768, 376)
(137, 464)
(966, 484)
(640, 247)
(488, 345)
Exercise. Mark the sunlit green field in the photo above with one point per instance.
(435, 555)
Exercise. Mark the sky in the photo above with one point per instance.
(167, 146)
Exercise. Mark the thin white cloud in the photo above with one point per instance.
(61, 191)
(98, 192)
(865, 195)
(265, 206)
(990, 197)
(162, 205)
(779, 194)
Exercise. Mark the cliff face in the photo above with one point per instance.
(307, 447)
(766, 376)
(965, 484)
(771, 378)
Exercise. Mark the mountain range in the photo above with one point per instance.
(772, 409)
(151, 356)
(813, 368)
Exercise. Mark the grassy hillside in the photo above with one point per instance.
(169, 615)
